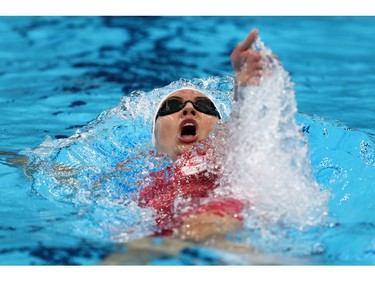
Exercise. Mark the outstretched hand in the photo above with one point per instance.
(248, 64)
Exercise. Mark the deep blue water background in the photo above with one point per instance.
(59, 73)
(81, 66)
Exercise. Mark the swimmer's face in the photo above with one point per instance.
(177, 132)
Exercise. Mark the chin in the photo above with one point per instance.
(182, 148)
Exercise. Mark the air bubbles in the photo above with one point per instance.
(367, 153)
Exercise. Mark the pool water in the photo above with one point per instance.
(67, 97)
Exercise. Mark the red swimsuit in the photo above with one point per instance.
(179, 193)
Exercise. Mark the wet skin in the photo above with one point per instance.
(170, 135)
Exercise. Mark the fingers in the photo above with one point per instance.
(239, 54)
(244, 79)
(250, 39)
(250, 64)
(253, 56)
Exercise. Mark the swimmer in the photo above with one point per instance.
(179, 193)
(185, 117)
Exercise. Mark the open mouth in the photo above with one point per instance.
(188, 131)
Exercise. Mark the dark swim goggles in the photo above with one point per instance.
(173, 105)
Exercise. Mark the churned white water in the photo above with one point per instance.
(267, 162)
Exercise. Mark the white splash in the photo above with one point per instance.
(267, 162)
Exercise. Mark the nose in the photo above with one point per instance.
(189, 109)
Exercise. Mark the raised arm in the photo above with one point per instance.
(248, 63)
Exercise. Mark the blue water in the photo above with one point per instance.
(58, 74)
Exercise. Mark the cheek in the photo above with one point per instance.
(165, 129)
(208, 125)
